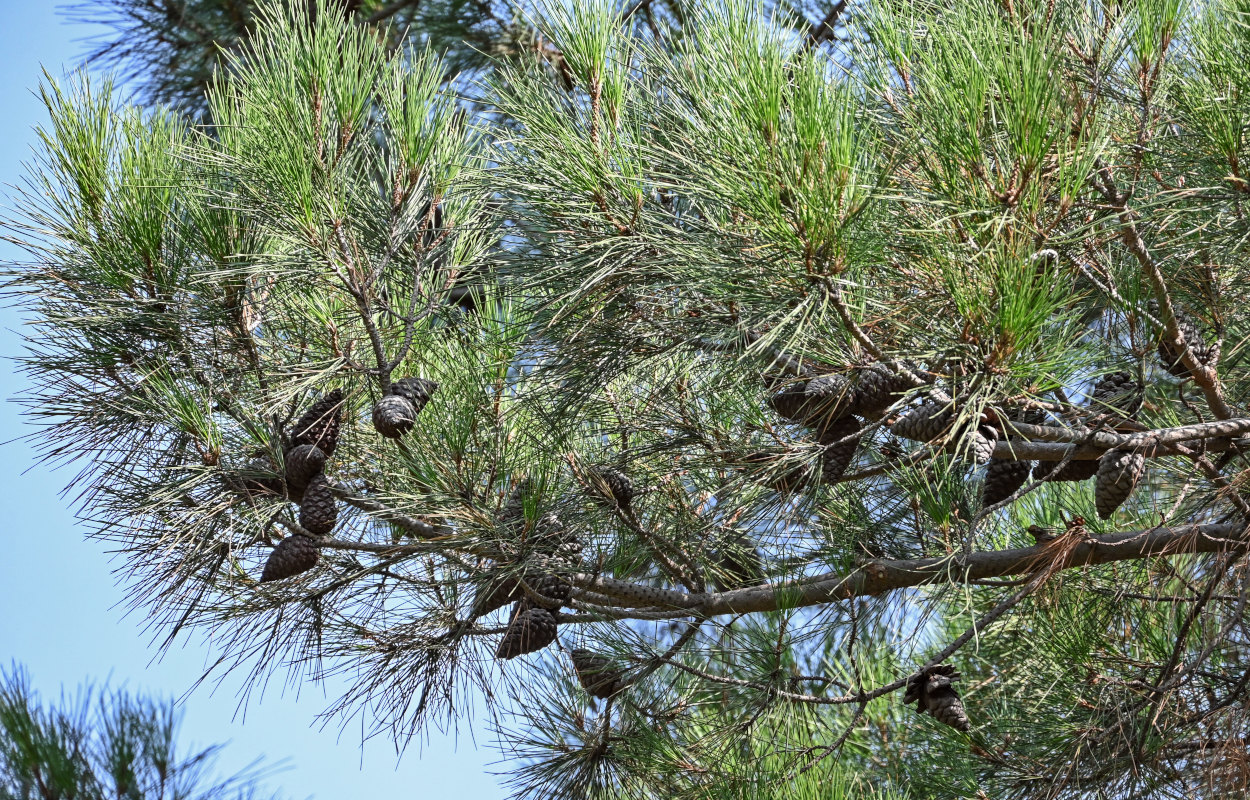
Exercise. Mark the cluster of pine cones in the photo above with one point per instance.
(544, 551)
(831, 405)
(312, 441)
(314, 438)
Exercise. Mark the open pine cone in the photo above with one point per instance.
(933, 691)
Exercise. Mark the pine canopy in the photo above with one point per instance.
(868, 409)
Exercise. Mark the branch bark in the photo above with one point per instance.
(881, 576)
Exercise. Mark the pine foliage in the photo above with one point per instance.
(763, 336)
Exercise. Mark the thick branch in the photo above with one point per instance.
(882, 576)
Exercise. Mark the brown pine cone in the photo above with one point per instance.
(943, 702)
(319, 425)
(619, 488)
(597, 674)
(530, 629)
(1072, 471)
(417, 391)
(980, 447)
(925, 422)
(548, 591)
(738, 563)
(838, 441)
(1116, 395)
(932, 690)
(318, 512)
(1170, 356)
(1118, 474)
(877, 387)
(303, 462)
(822, 399)
(393, 416)
(512, 515)
(1002, 479)
(293, 555)
(494, 594)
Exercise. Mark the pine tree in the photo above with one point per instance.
(104, 745)
(708, 253)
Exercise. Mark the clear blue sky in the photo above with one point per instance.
(61, 614)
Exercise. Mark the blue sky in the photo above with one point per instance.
(61, 614)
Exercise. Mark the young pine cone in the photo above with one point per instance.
(319, 425)
(393, 416)
(839, 441)
(293, 555)
(417, 391)
(318, 512)
(1002, 479)
(530, 629)
(597, 674)
(303, 463)
(932, 690)
(738, 563)
(1118, 474)
(619, 488)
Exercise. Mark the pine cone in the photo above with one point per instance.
(1116, 394)
(619, 487)
(495, 594)
(826, 398)
(932, 691)
(417, 391)
(1072, 471)
(548, 591)
(557, 544)
(837, 455)
(980, 446)
(1170, 357)
(944, 704)
(1118, 474)
(597, 674)
(393, 416)
(925, 422)
(303, 462)
(530, 629)
(293, 555)
(1002, 479)
(738, 563)
(318, 512)
(877, 388)
(319, 425)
